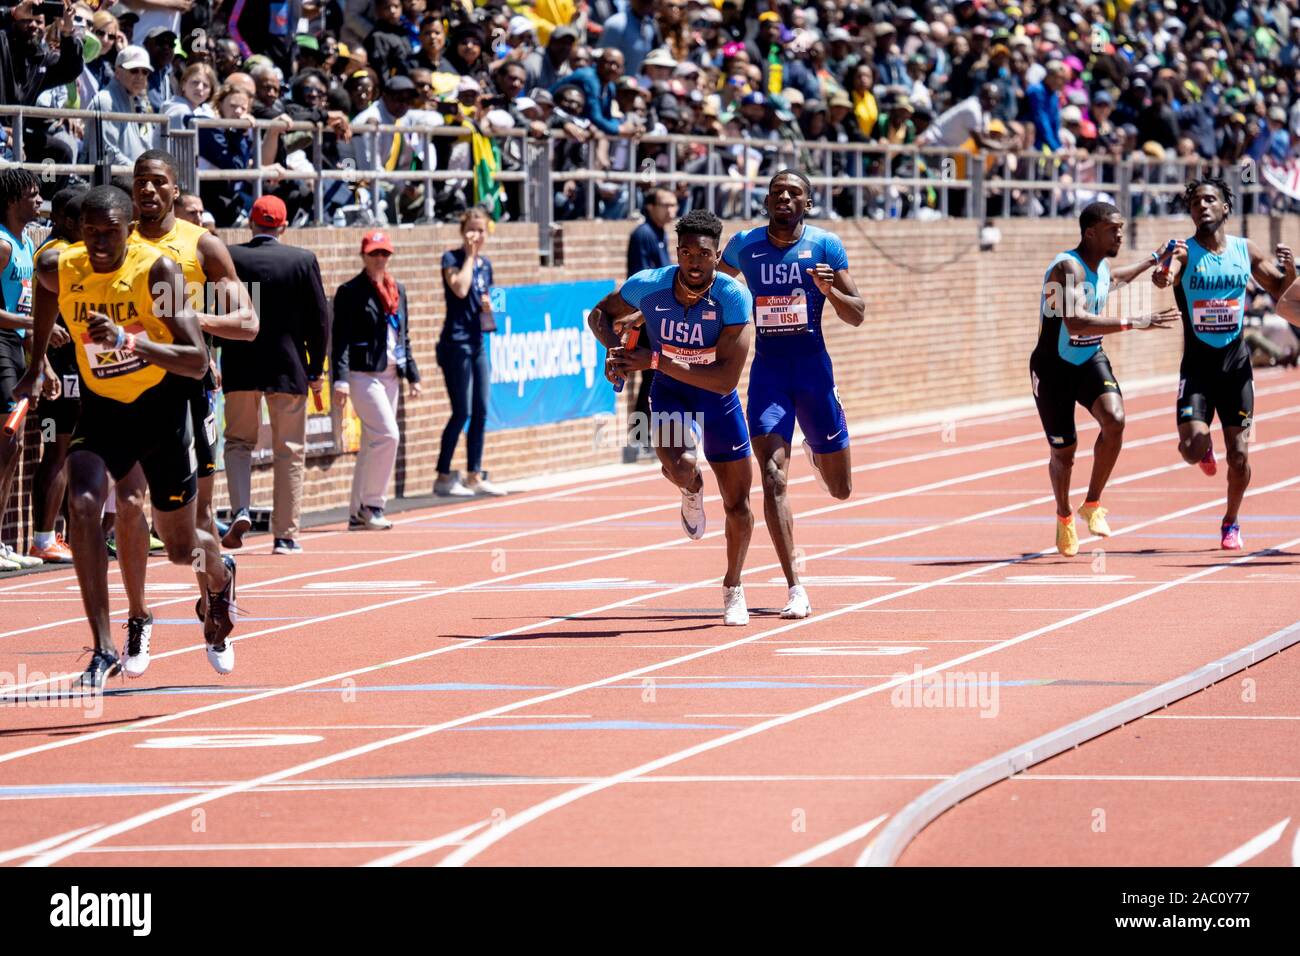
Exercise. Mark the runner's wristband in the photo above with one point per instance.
(654, 360)
(121, 338)
(130, 342)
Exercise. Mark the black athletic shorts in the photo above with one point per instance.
(63, 411)
(203, 424)
(153, 431)
(1205, 390)
(13, 365)
(1058, 385)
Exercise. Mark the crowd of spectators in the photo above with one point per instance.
(1080, 84)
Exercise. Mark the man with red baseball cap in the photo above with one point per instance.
(269, 212)
(278, 367)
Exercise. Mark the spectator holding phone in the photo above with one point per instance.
(464, 357)
(28, 66)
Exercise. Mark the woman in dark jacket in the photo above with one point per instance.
(371, 351)
(464, 356)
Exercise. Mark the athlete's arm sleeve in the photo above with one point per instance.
(636, 288)
(737, 304)
(731, 255)
(836, 257)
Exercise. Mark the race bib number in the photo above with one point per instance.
(675, 353)
(1216, 315)
(72, 386)
(109, 362)
(210, 429)
(25, 298)
(781, 314)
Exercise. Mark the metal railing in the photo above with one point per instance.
(728, 175)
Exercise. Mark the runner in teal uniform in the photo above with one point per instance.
(1068, 365)
(20, 205)
(1209, 274)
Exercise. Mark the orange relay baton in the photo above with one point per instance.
(629, 342)
(15, 420)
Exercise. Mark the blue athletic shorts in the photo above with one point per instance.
(783, 389)
(680, 409)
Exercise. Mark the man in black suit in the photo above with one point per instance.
(285, 359)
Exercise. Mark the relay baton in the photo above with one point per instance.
(15, 420)
(1167, 258)
(629, 342)
(316, 400)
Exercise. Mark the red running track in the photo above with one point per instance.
(544, 679)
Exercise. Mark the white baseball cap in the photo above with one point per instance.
(133, 58)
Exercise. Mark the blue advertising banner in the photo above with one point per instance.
(546, 364)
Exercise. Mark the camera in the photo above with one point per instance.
(50, 9)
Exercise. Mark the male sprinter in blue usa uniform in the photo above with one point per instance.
(1068, 364)
(794, 269)
(697, 323)
(1209, 274)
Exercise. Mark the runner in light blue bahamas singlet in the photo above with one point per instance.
(16, 279)
(1211, 294)
(1053, 335)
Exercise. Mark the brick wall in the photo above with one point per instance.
(947, 325)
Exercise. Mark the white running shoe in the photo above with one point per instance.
(223, 660)
(7, 565)
(693, 519)
(136, 660)
(734, 611)
(796, 606)
(22, 560)
(812, 463)
(481, 486)
(451, 487)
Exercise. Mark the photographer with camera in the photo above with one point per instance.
(28, 66)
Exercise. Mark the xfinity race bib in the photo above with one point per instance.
(1216, 315)
(781, 314)
(675, 353)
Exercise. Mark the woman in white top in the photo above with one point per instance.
(198, 83)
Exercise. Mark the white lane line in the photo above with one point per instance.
(513, 823)
(1254, 846)
(1295, 848)
(428, 846)
(513, 500)
(95, 735)
(40, 846)
(255, 847)
(510, 823)
(671, 543)
(631, 601)
(827, 847)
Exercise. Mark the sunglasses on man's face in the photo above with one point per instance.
(381, 253)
